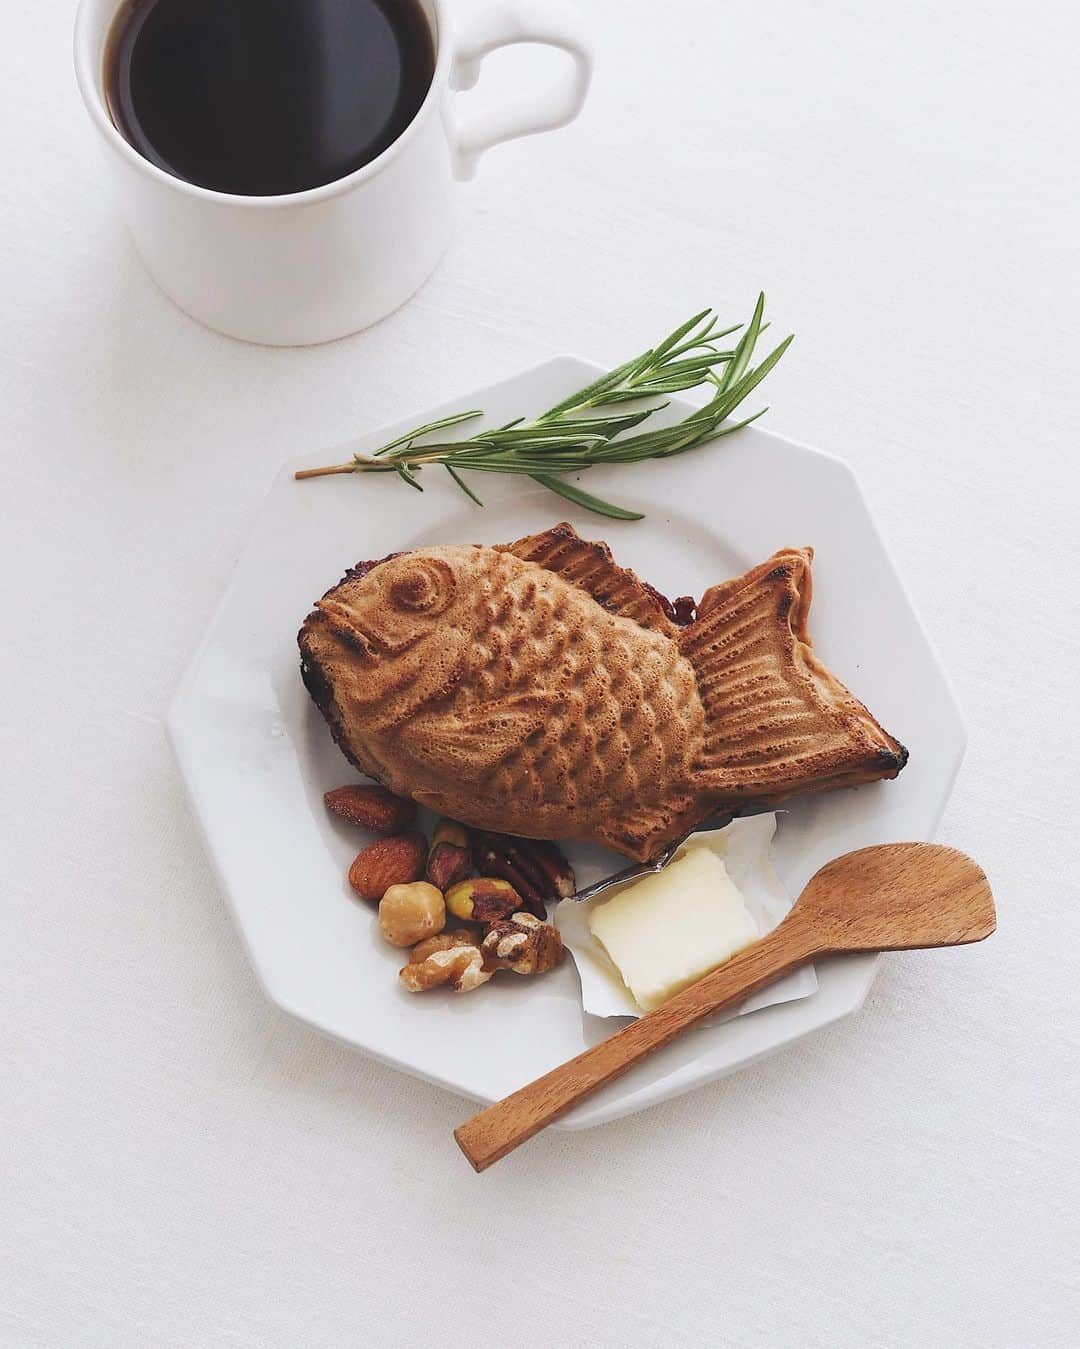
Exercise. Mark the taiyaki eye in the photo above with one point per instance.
(426, 587)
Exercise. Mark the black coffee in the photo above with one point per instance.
(258, 97)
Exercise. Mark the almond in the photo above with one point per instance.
(372, 808)
(397, 860)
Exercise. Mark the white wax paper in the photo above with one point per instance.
(744, 847)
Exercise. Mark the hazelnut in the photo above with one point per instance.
(410, 913)
(484, 899)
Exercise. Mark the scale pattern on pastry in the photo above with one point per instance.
(539, 689)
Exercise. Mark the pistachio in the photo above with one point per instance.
(484, 899)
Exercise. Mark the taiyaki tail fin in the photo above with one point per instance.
(777, 722)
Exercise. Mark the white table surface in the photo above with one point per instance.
(184, 1166)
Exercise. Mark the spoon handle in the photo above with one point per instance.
(500, 1128)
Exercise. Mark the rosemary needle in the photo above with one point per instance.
(591, 427)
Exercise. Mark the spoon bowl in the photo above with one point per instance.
(894, 897)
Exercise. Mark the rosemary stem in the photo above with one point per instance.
(358, 465)
(324, 472)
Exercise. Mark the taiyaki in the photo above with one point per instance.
(539, 689)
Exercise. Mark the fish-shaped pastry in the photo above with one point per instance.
(539, 689)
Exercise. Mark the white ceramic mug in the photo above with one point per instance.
(311, 266)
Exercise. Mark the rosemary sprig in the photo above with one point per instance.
(578, 433)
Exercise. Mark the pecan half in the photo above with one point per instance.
(535, 868)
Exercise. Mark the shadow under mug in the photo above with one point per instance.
(312, 266)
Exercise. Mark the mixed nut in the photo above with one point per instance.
(500, 883)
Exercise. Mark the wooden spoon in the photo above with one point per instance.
(893, 897)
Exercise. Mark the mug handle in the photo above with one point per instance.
(503, 23)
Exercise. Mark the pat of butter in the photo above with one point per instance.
(664, 932)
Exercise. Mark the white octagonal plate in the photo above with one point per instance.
(257, 757)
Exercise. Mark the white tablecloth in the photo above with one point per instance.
(184, 1166)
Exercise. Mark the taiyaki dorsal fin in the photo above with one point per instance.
(589, 565)
(777, 721)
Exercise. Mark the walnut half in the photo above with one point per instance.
(523, 944)
(451, 958)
